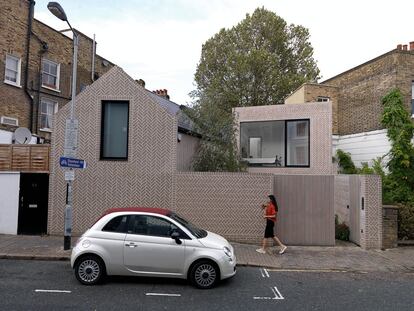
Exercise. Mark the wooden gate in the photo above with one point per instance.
(354, 209)
(306, 209)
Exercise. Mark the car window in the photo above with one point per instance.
(117, 224)
(152, 225)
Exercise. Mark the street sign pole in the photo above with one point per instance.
(69, 194)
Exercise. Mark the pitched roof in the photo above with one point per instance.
(184, 122)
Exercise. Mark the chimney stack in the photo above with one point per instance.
(162, 93)
(405, 47)
(141, 82)
(412, 46)
(399, 47)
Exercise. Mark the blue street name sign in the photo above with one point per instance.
(72, 163)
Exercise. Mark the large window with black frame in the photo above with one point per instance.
(114, 130)
(283, 143)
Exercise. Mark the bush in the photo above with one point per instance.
(406, 221)
(341, 230)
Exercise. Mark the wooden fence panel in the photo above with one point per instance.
(25, 158)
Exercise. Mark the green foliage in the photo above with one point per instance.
(406, 221)
(257, 62)
(341, 230)
(398, 185)
(347, 166)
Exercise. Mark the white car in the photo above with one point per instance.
(151, 242)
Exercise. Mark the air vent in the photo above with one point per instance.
(9, 121)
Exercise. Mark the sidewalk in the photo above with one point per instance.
(346, 257)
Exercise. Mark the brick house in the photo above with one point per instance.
(36, 68)
(356, 95)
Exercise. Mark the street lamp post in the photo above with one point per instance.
(71, 126)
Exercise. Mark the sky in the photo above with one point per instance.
(160, 41)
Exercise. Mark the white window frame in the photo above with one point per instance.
(56, 89)
(55, 109)
(19, 70)
(322, 99)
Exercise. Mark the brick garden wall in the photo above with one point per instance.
(226, 203)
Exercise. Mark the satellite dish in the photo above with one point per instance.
(22, 135)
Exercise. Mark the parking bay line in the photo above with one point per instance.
(275, 291)
(264, 273)
(160, 294)
(52, 291)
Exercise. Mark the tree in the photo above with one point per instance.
(257, 62)
(399, 184)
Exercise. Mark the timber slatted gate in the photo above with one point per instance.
(24, 158)
(306, 213)
(354, 209)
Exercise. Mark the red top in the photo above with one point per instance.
(271, 210)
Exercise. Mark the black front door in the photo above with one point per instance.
(34, 190)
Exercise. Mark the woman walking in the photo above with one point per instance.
(270, 214)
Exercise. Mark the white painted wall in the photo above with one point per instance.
(7, 138)
(9, 202)
(363, 147)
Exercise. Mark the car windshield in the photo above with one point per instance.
(197, 232)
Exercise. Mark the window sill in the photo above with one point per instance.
(50, 88)
(46, 130)
(12, 84)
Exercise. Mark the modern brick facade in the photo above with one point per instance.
(358, 91)
(320, 135)
(23, 101)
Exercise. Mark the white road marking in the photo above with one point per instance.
(275, 291)
(278, 295)
(52, 291)
(309, 270)
(159, 294)
(264, 273)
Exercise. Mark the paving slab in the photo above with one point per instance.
(343, 257)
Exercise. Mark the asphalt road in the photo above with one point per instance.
(27, 285)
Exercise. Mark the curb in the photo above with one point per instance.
(34, 257)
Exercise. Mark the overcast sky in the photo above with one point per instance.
(160, 41)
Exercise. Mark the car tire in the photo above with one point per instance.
(204, 274)
(90, 270)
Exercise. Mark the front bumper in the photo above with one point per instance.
(228, 269)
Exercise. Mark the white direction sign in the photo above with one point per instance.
(70, 175)
(71, 137)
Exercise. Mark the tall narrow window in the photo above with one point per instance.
(114, 130)
(47, 109)
(50, 74)
(12, 70)
(297, 143)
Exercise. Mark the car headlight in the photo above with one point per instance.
(227, 251)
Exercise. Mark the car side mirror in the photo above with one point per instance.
(176, 236)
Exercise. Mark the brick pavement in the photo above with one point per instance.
(344, 257)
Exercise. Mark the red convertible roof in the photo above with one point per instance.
(154, 210)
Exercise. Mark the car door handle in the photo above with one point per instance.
(131, 244)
